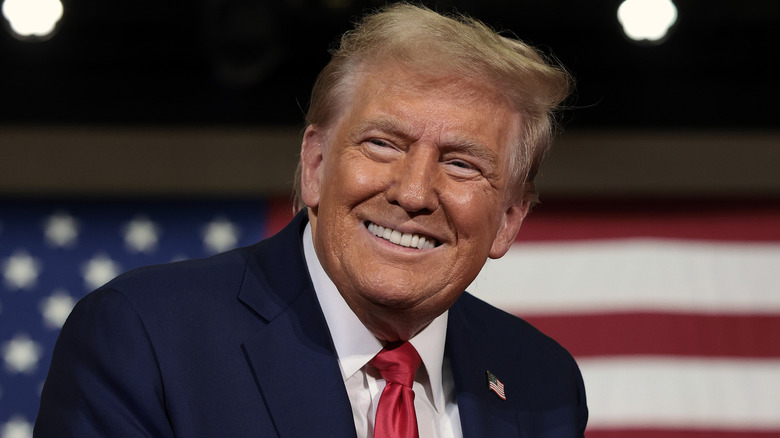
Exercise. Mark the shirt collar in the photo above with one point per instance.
(355, 344)
(429, 343)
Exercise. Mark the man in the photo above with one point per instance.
(417, 164)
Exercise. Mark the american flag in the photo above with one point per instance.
(672, 309)
(495, 385)
(53, 252)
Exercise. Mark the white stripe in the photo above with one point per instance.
(644, 274)
(657, 392)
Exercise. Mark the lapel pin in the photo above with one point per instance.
(495, 385)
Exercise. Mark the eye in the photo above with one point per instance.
(380, 150)
(462, 168)
(376, 142)
(462, 165)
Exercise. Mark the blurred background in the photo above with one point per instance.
(141, 132)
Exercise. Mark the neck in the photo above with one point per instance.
(391, 325)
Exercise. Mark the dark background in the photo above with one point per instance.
(252, 63)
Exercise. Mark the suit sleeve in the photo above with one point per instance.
(104, 379)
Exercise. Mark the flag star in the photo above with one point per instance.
(99, 270)
(61, 230)
(21, 354)
(220, 235)
(141, 235)
(21, 270)
(56, 308)
(16, 427)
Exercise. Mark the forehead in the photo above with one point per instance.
(423, 99)
(403, 77)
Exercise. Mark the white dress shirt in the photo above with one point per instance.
(434, 401)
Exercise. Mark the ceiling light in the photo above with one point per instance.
(647, 20)
(32, 19)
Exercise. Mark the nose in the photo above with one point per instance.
(414, 180)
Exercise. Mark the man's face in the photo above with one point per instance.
(408, 194)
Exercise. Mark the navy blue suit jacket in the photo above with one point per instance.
(236, 345)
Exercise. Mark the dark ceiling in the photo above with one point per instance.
(245, 62)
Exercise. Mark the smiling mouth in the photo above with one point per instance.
(409, 240)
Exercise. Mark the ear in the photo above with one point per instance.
(311, 165)
(511, 221)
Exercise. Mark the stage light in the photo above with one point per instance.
(32, 19)
(647, 20)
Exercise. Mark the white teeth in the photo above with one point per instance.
(404, 239)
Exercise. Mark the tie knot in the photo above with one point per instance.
(397, 363)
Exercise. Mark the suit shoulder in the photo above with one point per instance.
(184, 279)
(514, 333)
(178, 304)
(493, 318)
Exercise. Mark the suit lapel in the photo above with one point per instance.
(469, 348)
(292, 358)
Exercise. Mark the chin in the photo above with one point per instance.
(392, 300)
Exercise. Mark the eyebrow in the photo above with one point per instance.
(398, 129)
(477, 150)
(382, 124)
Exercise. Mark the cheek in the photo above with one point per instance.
(474, 212)
(356, 179)
(367, 176)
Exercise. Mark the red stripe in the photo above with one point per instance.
(664, 334)
(279, 215)
(672, 433)
(706, 220)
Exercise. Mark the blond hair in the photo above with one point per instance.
(450, 44)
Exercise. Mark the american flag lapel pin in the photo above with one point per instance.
(495, 385)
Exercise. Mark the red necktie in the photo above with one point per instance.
(395, 417)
